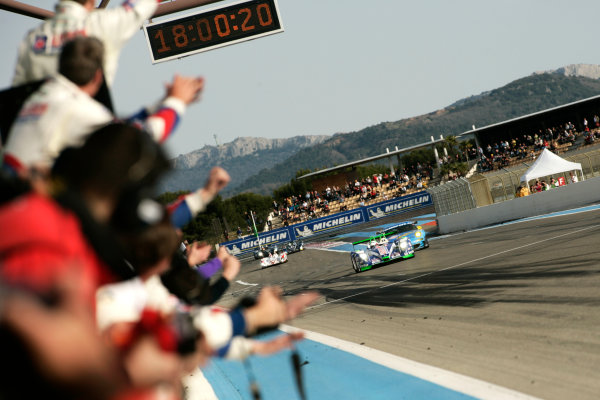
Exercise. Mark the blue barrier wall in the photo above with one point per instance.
(250, 243)
(331, 222)
(328, 223)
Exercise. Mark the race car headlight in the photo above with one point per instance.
(403, 244)
(418, 234)
(363, 256)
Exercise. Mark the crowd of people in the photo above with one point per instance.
(375, 187)
(500, 155)
(541, 185)
(99, 298)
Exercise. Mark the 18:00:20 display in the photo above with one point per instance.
(210, 29)
(220, 22)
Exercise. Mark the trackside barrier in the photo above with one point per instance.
(397, 206)
(558, 199)
(452, 197)
(248, 244)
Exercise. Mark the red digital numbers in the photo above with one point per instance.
(179, 36)
(222, 25)
(264, 15)
(246, 24)
(163, 46)
(213, 28)
(203, 27)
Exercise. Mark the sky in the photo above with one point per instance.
(343, 65)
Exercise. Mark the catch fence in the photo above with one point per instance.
(494, 187)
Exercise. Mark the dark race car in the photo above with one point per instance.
(294, 246)
(264, 251)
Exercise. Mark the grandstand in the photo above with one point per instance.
(527, 137)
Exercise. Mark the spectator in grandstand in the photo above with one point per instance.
(532, 155)
(589, 137)
(39, 51)
(573, 178)
(62, 112)
(522, 191)
(545, 186)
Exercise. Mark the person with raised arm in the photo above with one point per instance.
(40, 49)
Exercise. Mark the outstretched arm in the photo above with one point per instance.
(186, 207)
(161, 120)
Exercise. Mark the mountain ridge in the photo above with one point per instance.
(242, 158)
(536, 92)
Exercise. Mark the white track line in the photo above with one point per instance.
(246, 283)
(451, 380)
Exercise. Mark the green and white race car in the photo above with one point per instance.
(378, 250)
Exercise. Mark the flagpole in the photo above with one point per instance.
(254, 226)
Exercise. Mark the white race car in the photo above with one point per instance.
(273, 259)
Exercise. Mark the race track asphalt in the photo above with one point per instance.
(516, 305)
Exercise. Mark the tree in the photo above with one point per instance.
(232, 210)
(465, 147)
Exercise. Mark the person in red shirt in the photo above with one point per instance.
(57, 250)
(101, 181)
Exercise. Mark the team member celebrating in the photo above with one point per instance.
(39, 51)
(62, 112)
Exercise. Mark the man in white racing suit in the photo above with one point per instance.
(62, 112)
(39, 50)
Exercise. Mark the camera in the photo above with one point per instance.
(174, 333)
(185, 333)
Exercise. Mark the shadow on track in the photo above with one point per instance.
(467, 286)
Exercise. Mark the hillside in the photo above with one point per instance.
(260, 165)
(523, 96)
(242, 158)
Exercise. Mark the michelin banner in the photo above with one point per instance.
(398, 205)
(324, 224)
(250, 243)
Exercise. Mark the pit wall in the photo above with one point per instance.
(557, 199)
(332, 222)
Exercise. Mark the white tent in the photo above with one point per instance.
(548, 164)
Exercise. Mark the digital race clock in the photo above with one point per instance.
(210, 29)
